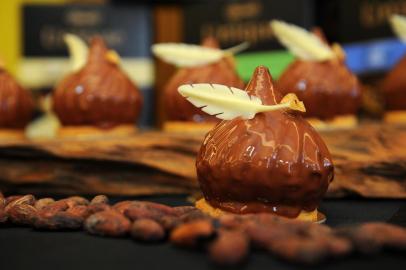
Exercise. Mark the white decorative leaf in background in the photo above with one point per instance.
(398, 24)
(78, 51)
(302, 43)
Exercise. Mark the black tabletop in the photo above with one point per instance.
(24, 248)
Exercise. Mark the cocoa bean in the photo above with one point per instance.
(41, 203)
(2, 201)
(98, 207)
(21, 214)
(195, 215)
(122, 206)
(192, 234)
(147, 230)
(232, 221)
(76, 200)
(149, 210)
(61, 220)
(79, 211)
(230, 247)
(63, 214)
(108, 223)
(262, 236)
(294, 240)
(372, 237)
(58, 206)
(169, 222)
(299, 250)
(18, 200)
(181, 210)
(12, 198)
(18, 215)
(100, 199)
(3, 216)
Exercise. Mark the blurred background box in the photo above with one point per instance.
(233, 22)
(362, 27)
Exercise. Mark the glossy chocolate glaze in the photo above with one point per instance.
(16, 104)
(394, 87)
(327, 88)
(100, 94)
(275, 162)
(223, 72)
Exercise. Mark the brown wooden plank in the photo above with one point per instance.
(370, 161)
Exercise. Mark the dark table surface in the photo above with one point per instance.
(24, 248)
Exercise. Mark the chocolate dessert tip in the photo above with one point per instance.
(98, 49)
(210, 42)
(261, 85)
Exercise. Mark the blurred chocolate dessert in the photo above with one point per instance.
(99, 98)
(180, 114)
(394, 84)
(16, 107)
(330, 91)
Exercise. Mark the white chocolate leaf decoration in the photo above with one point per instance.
(238, 48)
(188, 55)
(78, 51)
(398, 24)
(228, 103)
(45, 127)
(302, 43)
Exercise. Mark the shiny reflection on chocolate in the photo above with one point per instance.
(327, 88)
(394, 87)
(16, 104)
(100, 94)
(222, 72)
(275, 162)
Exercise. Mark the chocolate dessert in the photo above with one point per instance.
(275, 162)
(394, 87)
(331, 93)
(16, 104)
(99, 95)
(327, 88)
(221, 72)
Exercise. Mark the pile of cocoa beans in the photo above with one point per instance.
(228, 240)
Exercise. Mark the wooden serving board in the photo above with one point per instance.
(370, 161)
